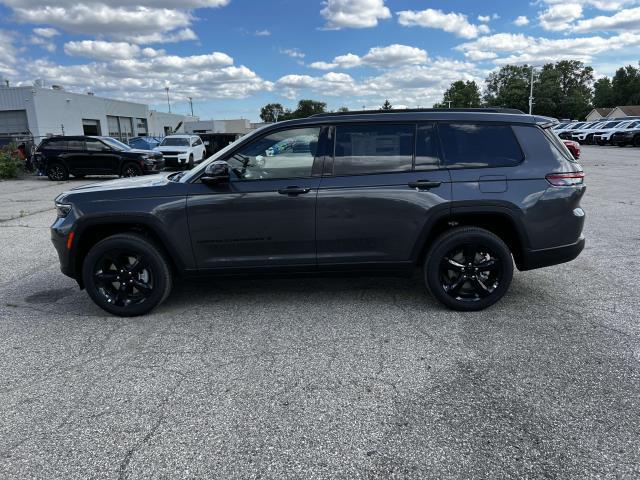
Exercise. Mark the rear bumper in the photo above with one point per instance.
(551, 256)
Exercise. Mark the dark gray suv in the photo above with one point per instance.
(461, 194)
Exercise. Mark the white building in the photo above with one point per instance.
(43, 112)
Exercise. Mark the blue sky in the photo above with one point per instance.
(232, 56)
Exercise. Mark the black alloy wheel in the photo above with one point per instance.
(131, 170)
(127, 274)
(123, 278)
(470, 272)
(468, 268)
(57, 172)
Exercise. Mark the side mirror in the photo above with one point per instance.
(215, 173)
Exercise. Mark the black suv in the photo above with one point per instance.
(85, 155)
(461, 194)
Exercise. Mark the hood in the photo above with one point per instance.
(142, 152)
(157, 185)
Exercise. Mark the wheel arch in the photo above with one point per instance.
(91, 231)
(499, 219)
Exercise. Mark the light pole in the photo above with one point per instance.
(191, 104)
(533, 68)
(449, 102)
(168, 101)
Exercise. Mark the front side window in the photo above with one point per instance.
(476, 145)
(283, 154)
(95, 145)
(75, 145)
(374, 148)
(55, 145)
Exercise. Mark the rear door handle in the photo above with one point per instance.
(424, 184)
(293, 190)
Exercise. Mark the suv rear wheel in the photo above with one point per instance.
(131, 170)
(468, 268)
(127, 275)
(57, 172)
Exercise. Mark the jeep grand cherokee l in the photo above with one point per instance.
(463, 195)
(86, 155)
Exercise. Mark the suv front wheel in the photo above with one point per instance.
(126, 275)
(468, 268)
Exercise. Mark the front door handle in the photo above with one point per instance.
(424, 184)
(293, 190)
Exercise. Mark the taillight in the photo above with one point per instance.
(565, 179)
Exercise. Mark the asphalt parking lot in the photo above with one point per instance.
(325, 377)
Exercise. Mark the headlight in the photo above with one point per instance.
(62, 209)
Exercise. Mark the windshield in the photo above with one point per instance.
(175, 142)
(633, 125)
(576, 125)
(610, 124)
(115, 144)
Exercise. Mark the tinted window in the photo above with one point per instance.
(95, 146)
(373, 148)
(55, 145)
(284, 154)
(427, 147)
(479, 145)
(75, 145)
(175, 142)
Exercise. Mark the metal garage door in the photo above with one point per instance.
(13, 121)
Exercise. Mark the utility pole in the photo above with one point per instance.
(191, 104)
(449, 102)
(168, 101)
(531, 91)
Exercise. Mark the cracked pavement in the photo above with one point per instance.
(326, 377)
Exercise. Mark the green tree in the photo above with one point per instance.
(564, 90)
(626, 86)
(509, 87)
(343, 109)
(461, 95)
(272, 112)
(603, 95)
(386, 105)
(306, 108)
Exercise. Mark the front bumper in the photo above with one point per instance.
(155, 167)
(59, 238)
(175, 161)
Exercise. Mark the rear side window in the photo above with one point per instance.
(76, 145)
(477, 145)
(373, 148)
(427, 147)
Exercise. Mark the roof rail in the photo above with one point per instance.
(420, 110)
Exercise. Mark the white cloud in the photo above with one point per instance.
(484, 18)
(113, 18)
(43, 43)
(599, 4)
(182, 35)
(624, 20)
(455, 23)
(46, 32)
(8, 54)
(521, 21)
(101, 50)
(559, 17)
(262, 33)
(354, 13)
(409, 85)
(293, 52)
(377, 57)
(518, 48)
(144, 77)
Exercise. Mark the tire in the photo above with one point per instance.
(190, 164)
(57, 172)
(636, 141)
(131, 169)
(115, 257)
(469, 288)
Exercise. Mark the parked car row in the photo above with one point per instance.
(81, 155)
(621, 132)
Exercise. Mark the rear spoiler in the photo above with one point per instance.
(545, 122)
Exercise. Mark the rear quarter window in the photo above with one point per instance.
(478, 145)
